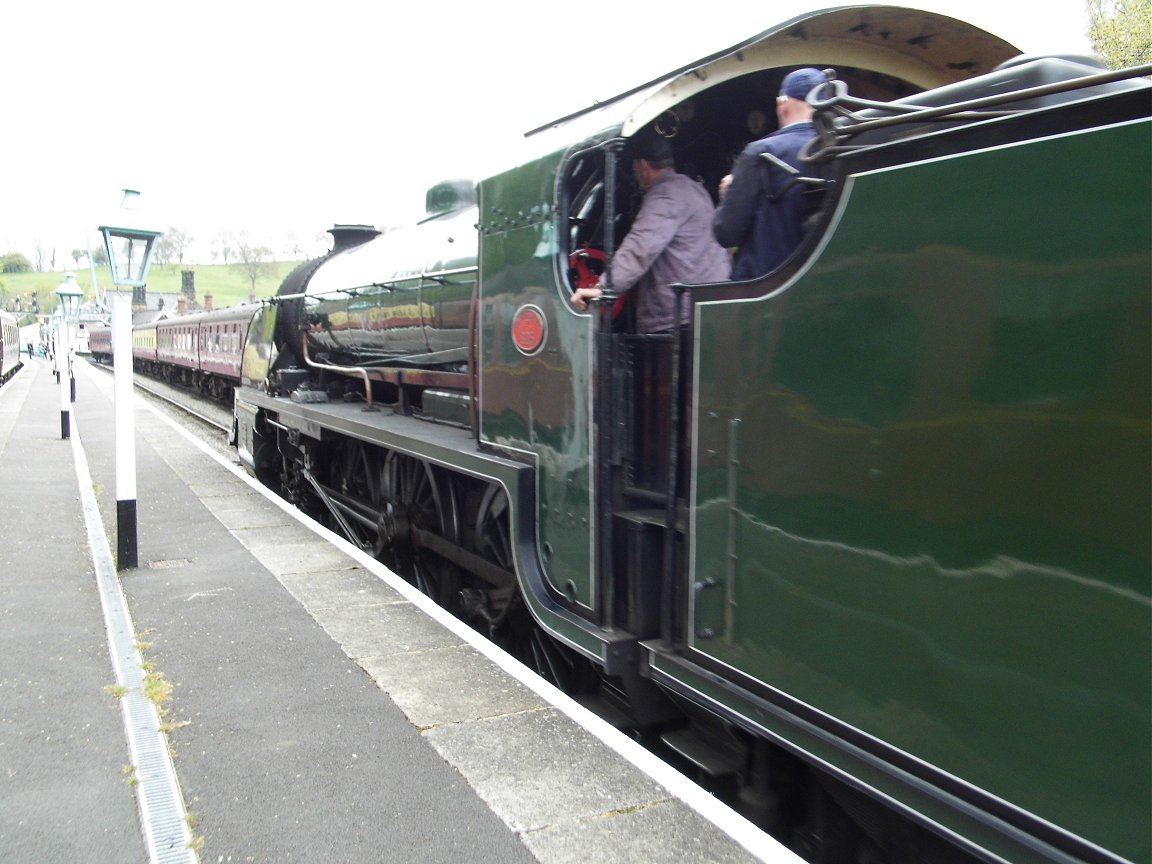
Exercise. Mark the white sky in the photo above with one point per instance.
(262, 116)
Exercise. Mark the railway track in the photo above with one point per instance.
(203, 410)
(208, 420)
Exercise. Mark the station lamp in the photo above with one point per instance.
(70, 296)
(130, 246)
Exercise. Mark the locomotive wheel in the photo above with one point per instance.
(411, 497)
(266, 459)
(492, 541)
(493, 538)
(512, 626)
(350, 472)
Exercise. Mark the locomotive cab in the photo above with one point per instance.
(641, 385)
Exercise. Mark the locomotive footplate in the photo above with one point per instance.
(440, 443)
(448, 448)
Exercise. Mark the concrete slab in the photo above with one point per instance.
(325, 590)
(285, 556)
(384, 629)
(246, 516)
(536, 770)
(449, 685)
(288, 727)
(636, 834)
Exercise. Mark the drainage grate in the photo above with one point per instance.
(162, 813)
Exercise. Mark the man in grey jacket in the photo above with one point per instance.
(670, 241)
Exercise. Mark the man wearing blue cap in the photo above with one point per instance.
(758, 216)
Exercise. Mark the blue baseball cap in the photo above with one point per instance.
(800, 82)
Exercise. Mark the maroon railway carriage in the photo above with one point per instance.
(100, 343)
(220, 342)
(176, 344)
(203, 350)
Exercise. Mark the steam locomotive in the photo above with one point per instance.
(867, 548)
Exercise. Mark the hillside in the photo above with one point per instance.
(227, 283)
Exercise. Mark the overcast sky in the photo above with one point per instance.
(264, 116)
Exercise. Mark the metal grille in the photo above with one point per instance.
(162, 814)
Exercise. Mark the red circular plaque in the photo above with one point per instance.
(528, 329)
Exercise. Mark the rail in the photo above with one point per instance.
(342, 370)
(841, 121)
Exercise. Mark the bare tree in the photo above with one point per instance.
(254, 261)
(227, 243)
(172, 246)
(293, 246)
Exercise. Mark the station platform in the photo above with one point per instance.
(312, 706)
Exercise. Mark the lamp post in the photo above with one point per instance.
(130, 246)
(69, 295)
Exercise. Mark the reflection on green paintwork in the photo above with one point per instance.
(539, 405)
(938, 452)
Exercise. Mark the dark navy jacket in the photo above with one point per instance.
(763, 231)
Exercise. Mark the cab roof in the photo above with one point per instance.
(925, 49)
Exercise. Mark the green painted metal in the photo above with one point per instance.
(922, 506)
(538, 405)
(399, 296)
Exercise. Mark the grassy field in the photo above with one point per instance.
(227, 283)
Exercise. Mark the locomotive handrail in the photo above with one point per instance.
(343, 370)
(841, 98)
(453, 271)
(965, 110)
(439, 276)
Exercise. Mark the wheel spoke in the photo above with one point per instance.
(493, 536)
(411, 497)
